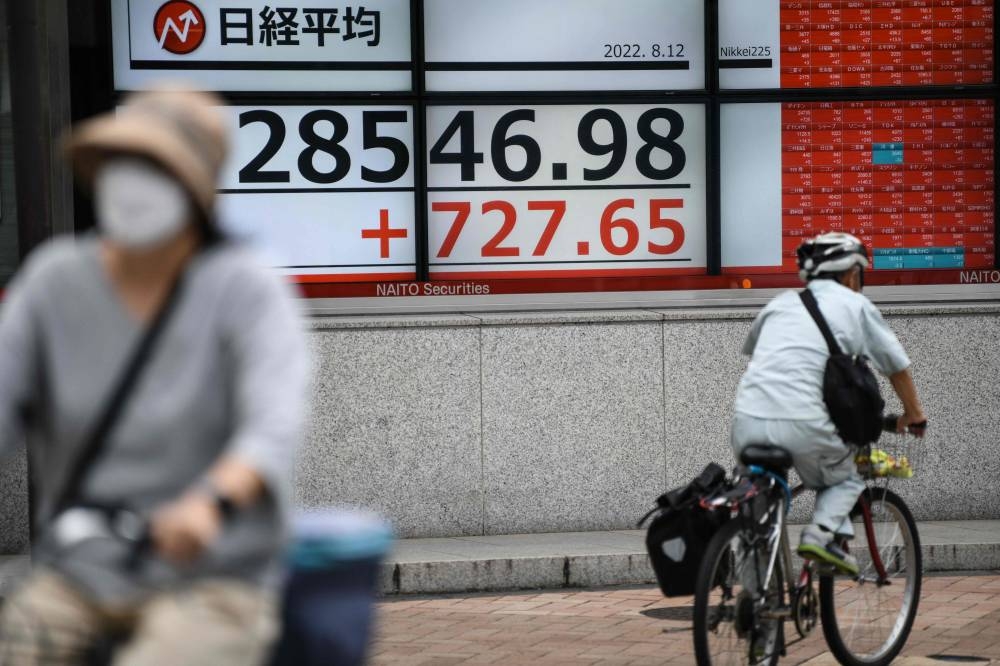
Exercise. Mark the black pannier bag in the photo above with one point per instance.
(681, 529)
(850, 389)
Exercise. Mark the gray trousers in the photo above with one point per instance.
(821, 458)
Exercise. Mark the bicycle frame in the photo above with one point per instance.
(866, 513)
(781, 532)
(866, 516)
(795, 583)
(748, 578)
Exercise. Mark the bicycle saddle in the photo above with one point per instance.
(766, 456)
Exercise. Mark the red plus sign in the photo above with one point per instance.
(383, 233)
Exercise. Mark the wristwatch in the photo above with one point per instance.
(226, 507)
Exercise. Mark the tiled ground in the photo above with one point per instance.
(959, 616)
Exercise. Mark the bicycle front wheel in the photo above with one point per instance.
(728, 625)
(867, 620)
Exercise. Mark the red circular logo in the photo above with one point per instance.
(179, 27)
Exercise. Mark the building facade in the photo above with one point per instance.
(531, 239)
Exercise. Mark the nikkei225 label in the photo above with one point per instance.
(327, 192)
(566, 190)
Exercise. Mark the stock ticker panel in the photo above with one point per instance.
(913, 179)
(856, 43)
(886, 43)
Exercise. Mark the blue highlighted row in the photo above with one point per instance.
(887, 153)
(906, 251)
(918, 261)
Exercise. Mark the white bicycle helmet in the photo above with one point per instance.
(829, 254)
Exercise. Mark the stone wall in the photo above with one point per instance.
(569, 421)
(509, 423)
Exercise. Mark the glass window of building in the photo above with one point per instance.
(8, 210)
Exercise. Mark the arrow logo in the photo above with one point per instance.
(179, 27)
(187, 18)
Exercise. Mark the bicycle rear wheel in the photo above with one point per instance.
(867, 621)
(728, 629)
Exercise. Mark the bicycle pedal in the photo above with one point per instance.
(783, 613)
(823, 569)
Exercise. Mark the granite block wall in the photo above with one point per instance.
(956, 366)
(702, 365)
(505, 423)
(14, 504)
(396, 426)
(572, 424)
(586, 417)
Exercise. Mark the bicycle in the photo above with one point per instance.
(747, 587)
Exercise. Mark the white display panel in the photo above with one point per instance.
(324, 190)
(750, 165)
(749, 44)
(484, 45)
(256, 45)
(566, 190)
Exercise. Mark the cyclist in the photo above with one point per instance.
(203, 445)
(780, 396)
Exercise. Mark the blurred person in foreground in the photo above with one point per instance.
(202, 448)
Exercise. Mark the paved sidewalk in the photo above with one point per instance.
(959, 616)
(13, 569)
(588, 559)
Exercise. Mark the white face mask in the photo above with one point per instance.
(139, 206)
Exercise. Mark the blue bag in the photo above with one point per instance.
(328, 604)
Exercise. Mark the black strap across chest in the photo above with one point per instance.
(809, 300)
(114, 404)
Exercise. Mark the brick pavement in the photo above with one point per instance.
(959, 615)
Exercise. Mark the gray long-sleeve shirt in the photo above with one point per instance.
(228, 376)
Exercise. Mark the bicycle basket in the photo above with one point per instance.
(894, 456)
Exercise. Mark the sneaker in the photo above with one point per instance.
(758, 649)
(819, 546)
(764, 645)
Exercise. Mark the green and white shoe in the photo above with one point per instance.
(820, 546)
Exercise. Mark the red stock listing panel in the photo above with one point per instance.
(914, 179)
(855, 43)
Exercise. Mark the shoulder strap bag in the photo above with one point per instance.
(850, 389)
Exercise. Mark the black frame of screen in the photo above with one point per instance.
(712, 97)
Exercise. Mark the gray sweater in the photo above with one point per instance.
(229, 375)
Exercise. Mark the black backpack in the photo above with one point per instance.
(681, 529)
(850, 389)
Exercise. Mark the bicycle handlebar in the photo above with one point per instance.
(889, 422)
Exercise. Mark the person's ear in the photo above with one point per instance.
(852, 280)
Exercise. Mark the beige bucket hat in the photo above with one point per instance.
(178, 128)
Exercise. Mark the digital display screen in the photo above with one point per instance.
(913, 179)
(542, 45)
(326, 192)
(566, 190)
(474, 147)
(257, 45)
(855, 43)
